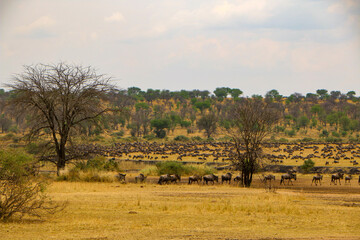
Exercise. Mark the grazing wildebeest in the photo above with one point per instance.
(268, 177)
(238, 178)
(195, 178)
(359, 180)
(175, 178)
(288, 176)
(348, 179)
(164, 179)
(336, 177)
(120, 177)
(227, 178)
(210, 178)
(317, 179)
(140, 178)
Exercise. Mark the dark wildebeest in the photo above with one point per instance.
(164, 179)
(317, 179)
(359, 180)
(195, 178)
(226, 178)
(141, 178)
(348, 179)
(288, 176)
(175, 178)
(120, 177)
(238, 179)
(336, 177)
(268, 177)
(210, 178)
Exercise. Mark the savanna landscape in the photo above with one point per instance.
(207, 119)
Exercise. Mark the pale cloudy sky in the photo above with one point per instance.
(254, 45)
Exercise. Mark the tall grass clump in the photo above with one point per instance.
(97, 169)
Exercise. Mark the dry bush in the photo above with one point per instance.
(21, 193)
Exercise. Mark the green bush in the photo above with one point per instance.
(118, 134)
(181, 138)
(308, 165)
(20, 192)
(170, 167)
(196, 139)
(307, 139)
(283, 140)
(335, 134)
(290, 133)
(333, 140)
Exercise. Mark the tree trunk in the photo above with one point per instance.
(61, 160)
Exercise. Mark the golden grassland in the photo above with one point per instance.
(150, 211)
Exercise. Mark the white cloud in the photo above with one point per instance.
(41, 23)
(115, 17)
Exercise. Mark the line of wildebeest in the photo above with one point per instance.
(226, 178)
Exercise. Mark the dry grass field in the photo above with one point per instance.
(150, 211)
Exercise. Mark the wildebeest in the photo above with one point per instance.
(288, 176)
(195, 178)
(120, 177)
(164, 179)
(336, 177)
(268, 177)
(238, 178)
(140, 178)
(317, 179)
(210, 178)
(359, 180)
(348, 179)
(175, 178)
(227, 178)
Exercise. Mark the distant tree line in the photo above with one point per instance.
(154, 112)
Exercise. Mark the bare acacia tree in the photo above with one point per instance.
(252, 120)
(58, 97)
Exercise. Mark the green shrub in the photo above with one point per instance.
(307, 139)
(283, 140)
(149, 137)
(290, 133)
(181, 138)
(170, 167)
(99, 163)
(308, 165)
(333, 140)
(335, 134)
(196, 139)
(118, 134)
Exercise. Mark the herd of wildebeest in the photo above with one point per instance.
(225, 152)
(226, 178)
(276, 153)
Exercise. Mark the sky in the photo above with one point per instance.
(254, 45)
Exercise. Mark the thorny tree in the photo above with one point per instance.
(252, 121)
(57, 98)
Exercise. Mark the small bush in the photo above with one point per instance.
(283, 140)
(98, 163)
(149, 137)
(335, 134)
(196, 139)
(118, 134)
(181, 138)
(307, 139)
(333, 140)
(290, 133)
(20, 192)
(308, 165)
(170, 167)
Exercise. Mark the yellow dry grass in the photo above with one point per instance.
(148, 211)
